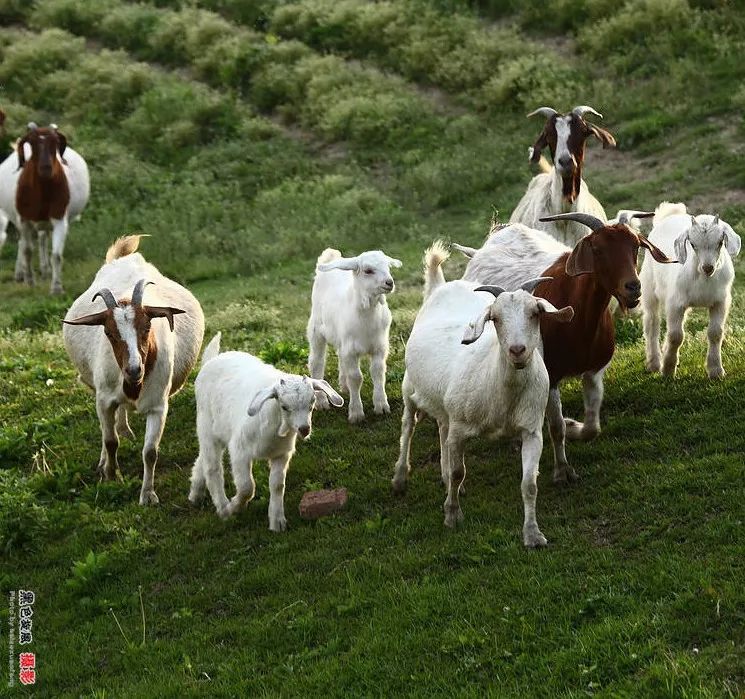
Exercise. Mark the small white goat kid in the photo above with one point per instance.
(704, 246)
(490, 379)
(350, 313)
(257, 412)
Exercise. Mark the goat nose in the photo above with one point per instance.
(708, 269)
(389, 283)
(634, 287)
(517, 350)
(565, 162)
(134, 374)
(304, 430)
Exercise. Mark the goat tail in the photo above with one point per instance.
(666, 209)
(433, 259)
(211, 350)
(125, 245)
(328, 255)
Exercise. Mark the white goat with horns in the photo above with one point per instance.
(704, 246)
(473, 362)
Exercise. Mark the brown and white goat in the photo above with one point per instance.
(560, 188)
(40, 192)
(601, 266)
(132, 353)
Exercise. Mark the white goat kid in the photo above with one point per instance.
(704, 246)
(257, 412)
(490, 379)
(136, 352)
(350, 313)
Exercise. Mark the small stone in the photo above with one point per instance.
(321, 503)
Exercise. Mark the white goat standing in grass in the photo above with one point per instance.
(489, 380)
(349, 312)
(704, 246)
(257, 412)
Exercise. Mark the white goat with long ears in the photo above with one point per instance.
(560, 188)
(43, 186)
(473, 362)
(704, 246)
(350, 313)
(257, 412)
(135, 352)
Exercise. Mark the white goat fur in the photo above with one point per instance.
(350, 313)
(256, 411)
(476, 388)
(544, 198)
(698, 243)
(78, 181)
(92, 355)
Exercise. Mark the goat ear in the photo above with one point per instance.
(351, 264)
(260, 398)
(475, 328)
(657, 254)
(563, 316)
(62, 145)
(92, 319)
(605, 137)
(19, 150)
(731, 239)
(582, 259)
(162, 312)
(320, 385)
(393, 262)
(536, 149)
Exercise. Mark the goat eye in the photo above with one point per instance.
(369, 271)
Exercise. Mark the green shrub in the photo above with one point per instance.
(22, 520)
(14, 10)
(130, 27)
(76, 16)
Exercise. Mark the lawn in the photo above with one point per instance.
(244, 138)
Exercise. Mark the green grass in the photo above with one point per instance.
(245, 138)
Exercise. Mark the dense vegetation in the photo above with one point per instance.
(245, 137)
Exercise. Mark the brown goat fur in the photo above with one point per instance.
(42, 192)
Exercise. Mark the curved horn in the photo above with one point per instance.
(531, 284)
(592, 222)
(53, 126)
(108, 298)
(546, 112)
(496, 290)
(32, 126)
(583, 109)
(625, 215)
(138, 291)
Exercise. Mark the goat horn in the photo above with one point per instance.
(583, 109)
(626, 215)
(108, 298)
(32, 126)
(496, 290)
(592, 222)
(547, 112)
(53, 126)
(139, 290)
(531, 284)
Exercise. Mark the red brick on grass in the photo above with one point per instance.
(321, 503)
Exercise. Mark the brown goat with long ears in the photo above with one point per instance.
(43, 186)
(560, 187)
(601, 266)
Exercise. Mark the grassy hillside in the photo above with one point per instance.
(245, 138)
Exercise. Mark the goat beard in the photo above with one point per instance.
(131, 390)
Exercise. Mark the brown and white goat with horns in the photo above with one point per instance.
(560, 188)
(42, 192)
(132, 353)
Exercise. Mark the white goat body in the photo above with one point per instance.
(704, 246)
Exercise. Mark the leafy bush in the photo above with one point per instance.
(22, 521)
(75, 16)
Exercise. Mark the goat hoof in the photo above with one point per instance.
(196, 498)
(533, 539)
(653, 366)
(565, 476)
(453, 517)
(18, 276)
(717, 373)
(278, 525)
(356, 417)
(148, 497)
(384, 409)
(57, 290)
(399, 486)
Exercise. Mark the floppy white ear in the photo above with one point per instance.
(320, 385)
(680, 247)
(563, 315)
(731, 239)
(350, 264)
(393, 262)
(475, 328)
(260, 398)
